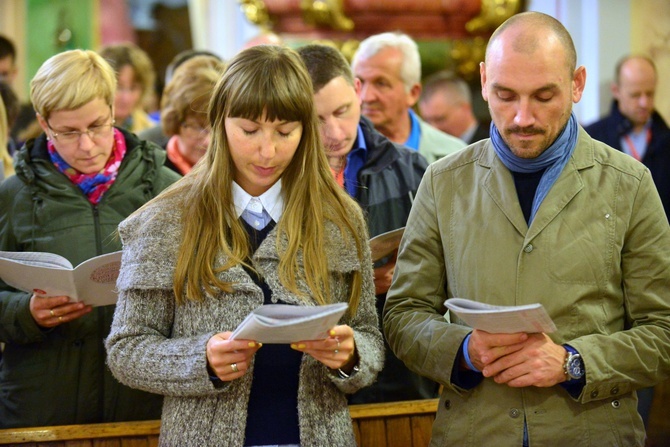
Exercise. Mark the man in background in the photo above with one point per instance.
(636, 128)
(382, 176)
(446, 103)
(388, 66)
(633, 125)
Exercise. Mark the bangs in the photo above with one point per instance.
(275, 91)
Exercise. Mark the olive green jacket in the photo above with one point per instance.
(597, 256)
(58, 376)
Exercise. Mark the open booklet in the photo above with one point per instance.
(384, 244)
(93, 281)
(528, 318)
(285, 323)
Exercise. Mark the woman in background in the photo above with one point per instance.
(6, 161)
(73, 185)
(259, 220)
(135, 75)
(184, 111)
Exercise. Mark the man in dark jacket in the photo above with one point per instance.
(634, 127)
(382, 176)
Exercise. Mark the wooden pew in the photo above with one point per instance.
(401, 424)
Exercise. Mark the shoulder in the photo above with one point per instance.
(589, 148)
(341, 242)
(151, 238)
(435, 143)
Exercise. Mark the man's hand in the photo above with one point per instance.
(535, 361)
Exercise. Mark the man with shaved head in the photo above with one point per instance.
(540, 213)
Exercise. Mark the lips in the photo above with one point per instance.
(264, 171)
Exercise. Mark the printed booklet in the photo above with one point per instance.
(93, 281)
(385, 244)
(529, 318)
(285, 323)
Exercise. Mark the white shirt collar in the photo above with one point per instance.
(272, 200)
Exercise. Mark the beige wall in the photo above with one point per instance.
(650, 35)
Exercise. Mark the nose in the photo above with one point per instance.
(268, 147)
(368, 93)
(524, 114)
(86, 141)
(647, 101)
(332, 133)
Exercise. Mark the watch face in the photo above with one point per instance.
(575, 368)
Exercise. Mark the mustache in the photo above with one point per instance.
(525, 130)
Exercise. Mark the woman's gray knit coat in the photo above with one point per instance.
(158, 346)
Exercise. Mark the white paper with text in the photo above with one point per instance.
(93, 281)
(285, 323)
(530, 318)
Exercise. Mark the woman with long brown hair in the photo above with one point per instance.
(259, 220)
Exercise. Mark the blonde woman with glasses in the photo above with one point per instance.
(73, 185)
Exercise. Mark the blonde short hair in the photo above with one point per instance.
(70, 80)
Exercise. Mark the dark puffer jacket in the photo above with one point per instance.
(58, 376)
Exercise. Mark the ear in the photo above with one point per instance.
(614, 88)
(482, 78)
(578, 83)
(357, 88)
(43, 123)
(413, 95)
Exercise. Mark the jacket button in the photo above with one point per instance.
(615, 390)
(616, 404)
(514, 413)
(528, 248)
(594, 394)
(447, 404)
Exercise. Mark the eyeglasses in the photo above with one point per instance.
(195, 130)
(74, 136)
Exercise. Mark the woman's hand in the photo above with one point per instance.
(230, 359)
(52, 311)
(338, 351)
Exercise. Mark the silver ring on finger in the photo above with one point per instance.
(233, 366)
(337, 349)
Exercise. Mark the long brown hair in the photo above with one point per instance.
(265, 81)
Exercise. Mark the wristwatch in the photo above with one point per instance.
(574, 365)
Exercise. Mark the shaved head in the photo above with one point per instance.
(529, 32)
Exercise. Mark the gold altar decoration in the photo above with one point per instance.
(452, 33)
(326, 13)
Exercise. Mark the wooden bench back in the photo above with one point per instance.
(397, 424)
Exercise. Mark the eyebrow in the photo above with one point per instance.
(62, 129)
(545, 88)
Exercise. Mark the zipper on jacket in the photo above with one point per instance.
(96, 225)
